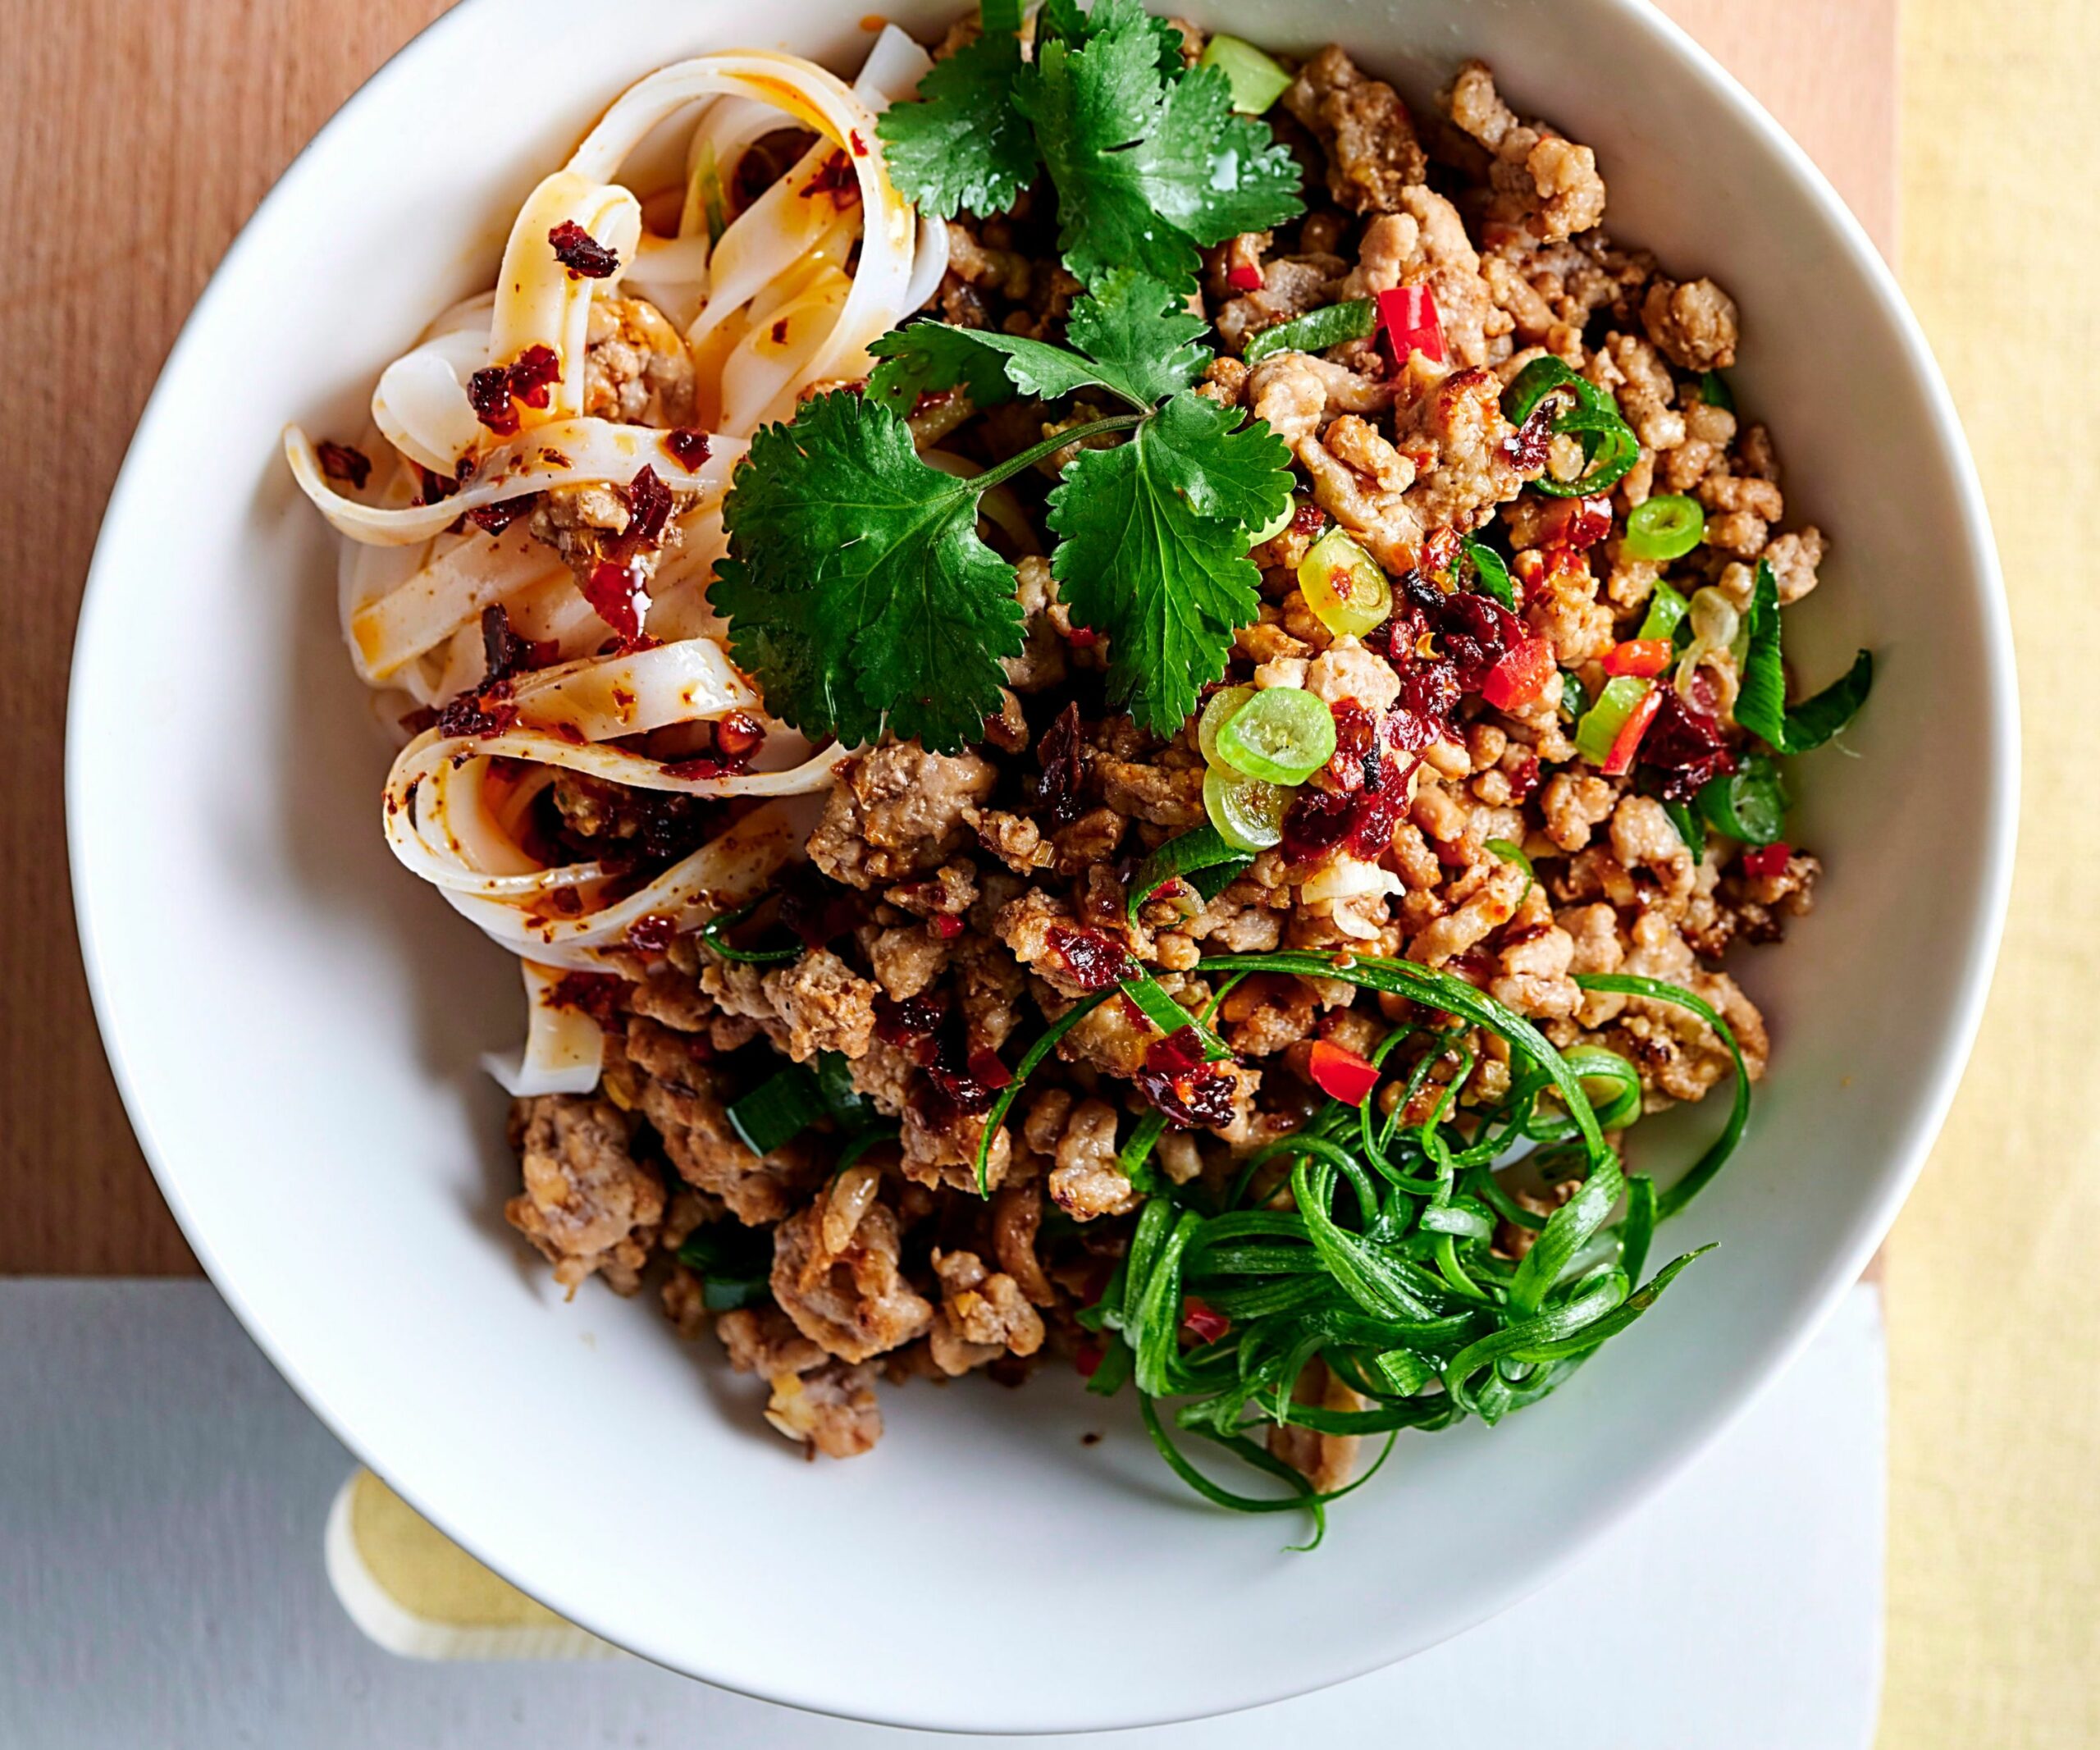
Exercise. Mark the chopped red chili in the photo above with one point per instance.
(1646, 657)
(529, 377)
(1627, 743)
(1763, 862)
(1245, 277)
(1201, 1322)
(1341, 1074)
(581, 254)
(945, 924)
(739, 735)
(1407, 324)
(1520, 677)
(343, 461)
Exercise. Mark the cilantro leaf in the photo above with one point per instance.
(1153, 549)
(944, 357)
(1761, 705)
(1138, 342)
(929, 356)
(1062, 21)
(965, 143)
(856, 587)
(1139, 334)
(1146, 170)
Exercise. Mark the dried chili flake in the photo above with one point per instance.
(619, 594)
(1686, 745)
(1093, 960)
(484, 712)
(506, 652)
(343, 461)
(836, 178)
(1204, 1096)
(488, 393)
(435, 488)
(493, 519)
(900, 1024)
(649, 508)
(581, 254)
(1057, 791)
(686, 446)
(1531, 443)
(533, 374)
(596, 994)
(739, 735)
(652, 932)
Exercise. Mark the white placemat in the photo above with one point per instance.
(163, 1494)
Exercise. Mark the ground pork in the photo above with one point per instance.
(850, 1301)
(900, 811)
(1372, 154)
(588, 1205)
(1540, 184)
(983, 1315)
(636, 370)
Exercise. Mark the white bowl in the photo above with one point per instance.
(294, 1020)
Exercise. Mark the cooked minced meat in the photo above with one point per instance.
(952, 904)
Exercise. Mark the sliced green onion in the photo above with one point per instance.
(1488, 571)
(1345, 586)
(715, 210)
(1574, 696)
(1749, 804)
(1608, 441)
(1276, 525)
(1201, 851)
(1715, 391)
(1283, 734)
(711, 937)
(1247, 812)
(1168, 1016)
(734, 1263)
(1514, 853)
(1220, 705)
(1601, 722)
(1666, 612)
(778, 1110)
(1668, 526)
(1317, 330)
(1761, 705)
(1689, 828)
(1256, 80)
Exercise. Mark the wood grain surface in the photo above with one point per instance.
(134, 138)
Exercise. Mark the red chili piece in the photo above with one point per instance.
(343, 461)
(1686, 744)
(1057, 791)
(1627, 743)
(494, 519)
(1201, 1323)
(1646, 657)
(581, 254)
(1407, 324)
(1520, 677)
(1246, 277)
(1766, 862)
(1341, 1074)
(529, 377)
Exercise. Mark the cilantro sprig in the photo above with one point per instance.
(859, 594)
(1150, 160)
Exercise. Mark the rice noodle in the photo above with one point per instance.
(770, 300)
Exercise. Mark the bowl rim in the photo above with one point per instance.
(1646, 1471)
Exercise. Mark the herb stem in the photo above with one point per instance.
(1015, 464)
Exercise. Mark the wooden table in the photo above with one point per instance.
(136, 139)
